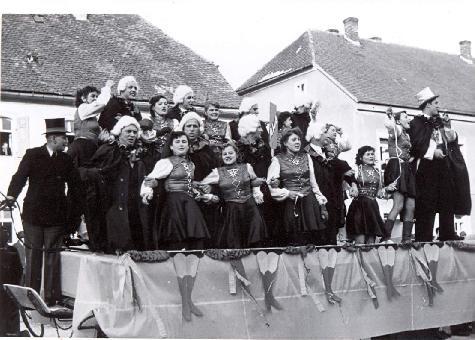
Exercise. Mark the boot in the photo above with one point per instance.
(269, 299)
(190, 283)
(185, 305)
(388, 278)
(430, 294)
(406, 232)
(327, 280)
(433, 271)
(388, 228)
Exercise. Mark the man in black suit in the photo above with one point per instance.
(48, 214)
(432, 140)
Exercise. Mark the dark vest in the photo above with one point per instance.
(235, 183)
(216, 131)
(87, 128)
(295, 173)
(181, 176)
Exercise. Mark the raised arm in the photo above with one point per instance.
(93, 109)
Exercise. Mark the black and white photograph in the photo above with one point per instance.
(208, 169)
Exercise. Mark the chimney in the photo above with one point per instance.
(351, 29)
(81, 16)
(376, 39)
(39, 18)
(333, 30)
(466, 50)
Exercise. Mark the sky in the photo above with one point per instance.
(241, 36)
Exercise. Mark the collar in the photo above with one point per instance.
(199, 144)
(50, 151)
(318, 150)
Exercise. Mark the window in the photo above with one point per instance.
(5, 136)
(300, 88)
(70, 130)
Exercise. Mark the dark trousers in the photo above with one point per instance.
(44, 241)
(425, 218)
(435, 194)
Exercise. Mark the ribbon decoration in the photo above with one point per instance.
(327, 261)
(239, 272)
(370, 284)
(267, 263)
(186, 268)
(134, 270)
(423, 271)
(432, 256)
(387, 257)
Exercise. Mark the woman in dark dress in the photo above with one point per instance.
(292, 180)
(121, 216)
(180, 224)
(243, 225)
(343, 173)
(400, 175)
(253, 150)
(363, 221)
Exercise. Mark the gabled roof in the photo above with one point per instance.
(377, 72)
(75, 53)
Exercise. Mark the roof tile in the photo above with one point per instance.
(74, 53)
(378, 72)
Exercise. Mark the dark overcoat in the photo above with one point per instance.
(120, 215)
(441, 184)
(46, 202)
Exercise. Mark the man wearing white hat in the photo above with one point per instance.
(433, 141)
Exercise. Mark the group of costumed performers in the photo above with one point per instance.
(176, 180)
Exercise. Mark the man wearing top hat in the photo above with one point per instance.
(440, 187)
(48, 214)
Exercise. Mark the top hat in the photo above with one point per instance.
(425, 95)
(56, 125)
